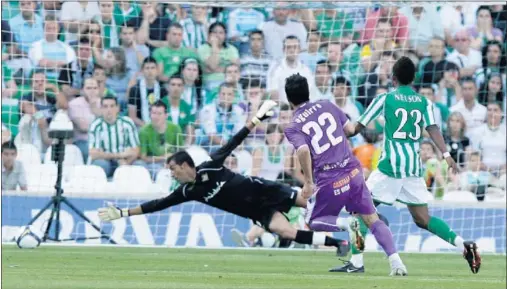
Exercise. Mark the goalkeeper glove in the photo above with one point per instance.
(112, 213)
(264, 112)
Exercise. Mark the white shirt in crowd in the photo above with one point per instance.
(453, 20)
(492, 144)
(473, 118)
(74, 11)
(474, 58)
(274, 34)
(280, 71)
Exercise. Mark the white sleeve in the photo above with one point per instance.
(302, 35)
(35, 53)
(207, 118)
(68, 8)
(446, 16)
(71, 54)
(231, 23)
(271, 78)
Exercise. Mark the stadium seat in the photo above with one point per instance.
(245, 161)
(86, 179)
(163, 181)
(29, 155)
(132, 180)
(41, 178)
(460, 196)
(73, 156)
(198, 154)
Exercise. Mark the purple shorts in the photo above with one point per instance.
(349, 191)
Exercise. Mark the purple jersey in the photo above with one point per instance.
(319, 125)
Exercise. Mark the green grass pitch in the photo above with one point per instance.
(115, 267)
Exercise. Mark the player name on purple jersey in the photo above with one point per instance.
(319, 125)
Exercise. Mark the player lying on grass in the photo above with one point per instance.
(399, 173)
(317, 134)
(211, 183)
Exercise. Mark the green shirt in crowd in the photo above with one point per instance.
(182, 116)
(171, 58)
(155, 144)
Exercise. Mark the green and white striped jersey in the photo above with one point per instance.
(194, 34)
(406, 114)
(113, 138)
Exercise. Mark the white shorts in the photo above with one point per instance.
(387, 190)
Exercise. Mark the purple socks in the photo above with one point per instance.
(384, 237)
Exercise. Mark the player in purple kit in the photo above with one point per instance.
(317, 133)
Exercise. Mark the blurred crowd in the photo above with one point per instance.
(143, 79)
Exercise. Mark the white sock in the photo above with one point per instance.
(459, 243)
(342, 224)
(395, 261)
(357, 260)
(319, 238)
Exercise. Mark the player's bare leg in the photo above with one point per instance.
(438, 227)
(281, 226)
(385, 239)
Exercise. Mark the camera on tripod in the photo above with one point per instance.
(61, 130)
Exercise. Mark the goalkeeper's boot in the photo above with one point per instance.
(239, 238)
(347, 268)
(355, 234)
(472, 256)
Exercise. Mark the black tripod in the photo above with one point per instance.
(57, 155)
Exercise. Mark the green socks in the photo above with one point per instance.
(441, 229)
(364, 230)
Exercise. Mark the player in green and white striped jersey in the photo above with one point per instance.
(113, 140)
(399, 173)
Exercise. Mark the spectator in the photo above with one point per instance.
(9, 86)
(72, 75)
(221, 120)
(169, 57)
(342, 98)
(99, 74)
(39, 107)
(110, 29)
(82, 112)
(323, 79)
(13, 172)
(216, 55)
(7, 37)
(271, 161)
(27, 26)
(493, 90)
(440, 111)
(254, 97)
(397, 28)
(473, 112)
(50, 53)
(6, 134)
(424, 24)
(241, 22)
(457, 143)
(125, 10)
(145, 93)
(134, 53)
(475, 179)
(152, 26)
(431, 68)
(364, 153)
(467, 58)
(490, 140)
(232, 76)
(277, 30)
(484, 31)
(434, 169)
(457, 16)
(493, 60)
(255, 64)
(449, 87)
(51, 7)
(499, 15)
(159, 139)
(286, 67)
(193, 93)
(312, 55)
(341, 66)
(180, 112)
(380, 42)
(74, 16)
(334, 24)
(113, 139)
(195, 27)
(94, 32)
(379, 76)
(118, 75)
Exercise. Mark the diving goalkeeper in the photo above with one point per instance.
(211, 183)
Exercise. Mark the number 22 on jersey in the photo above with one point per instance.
(325, 119)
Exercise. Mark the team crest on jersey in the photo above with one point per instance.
(205, 178)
